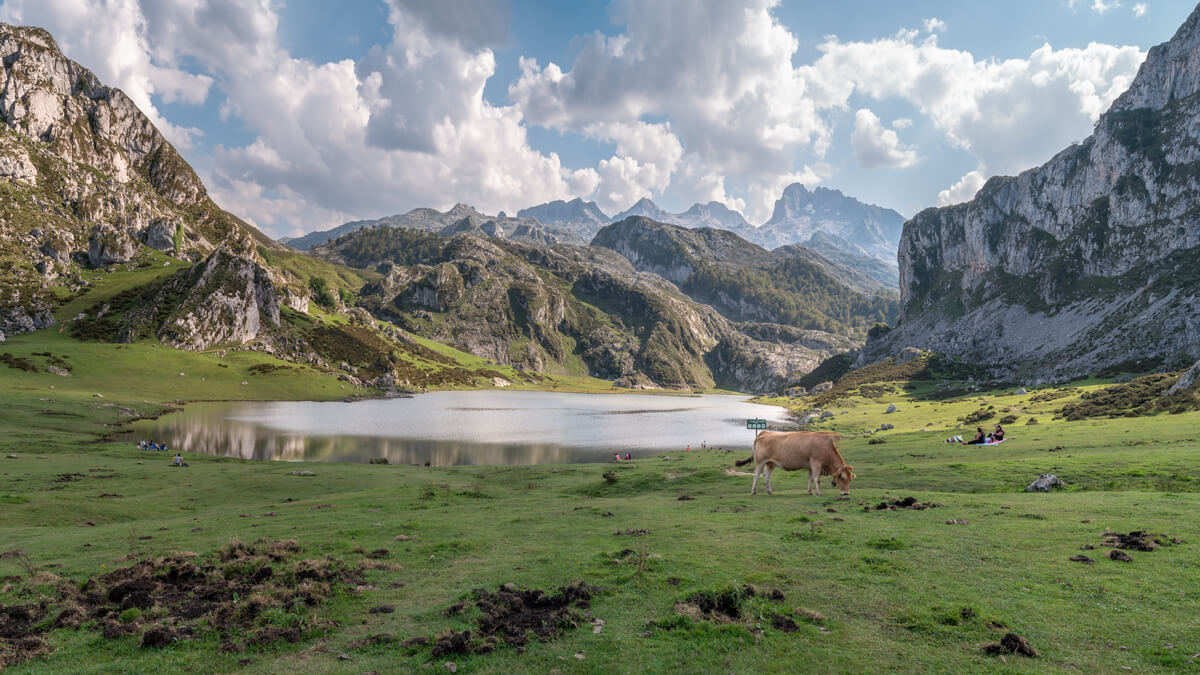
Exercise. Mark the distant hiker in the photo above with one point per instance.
(628, 456)
(980, 437)
(688, 449)
(997, 435)
(178, 461)
(703, 445)
(616, 457)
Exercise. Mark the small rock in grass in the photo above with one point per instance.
(450, 666)
(303, 473)
(403, 537)
(957, 521)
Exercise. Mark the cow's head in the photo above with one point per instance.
(842, 478)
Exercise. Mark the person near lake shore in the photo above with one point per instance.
(980, 437)
(997, 435)
(178, 461)
(628, 455)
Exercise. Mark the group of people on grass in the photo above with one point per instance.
(617, 456)
(980, 437)
(177, 460)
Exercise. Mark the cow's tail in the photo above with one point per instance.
(753, 454)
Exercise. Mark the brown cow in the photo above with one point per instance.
(792, 450)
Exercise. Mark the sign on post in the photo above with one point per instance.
(756, 425)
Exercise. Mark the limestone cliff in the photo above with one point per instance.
(85, 180)
(1085, 263)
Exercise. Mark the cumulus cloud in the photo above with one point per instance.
(1009, 114)
(1100, 6)
(740, 110)
(642, 166)
(1139, 9)
(875, 146)
(901, 123)
(964, 188)
(934, 25)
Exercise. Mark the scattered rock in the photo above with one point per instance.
(1020, 391)
(891, 408)
(403, 537)
(57, 370)
(956, 521)
(303, 473)
(1044, 483)
(381, 609)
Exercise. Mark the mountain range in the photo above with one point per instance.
(842, 224)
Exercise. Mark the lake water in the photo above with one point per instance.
(473, 427)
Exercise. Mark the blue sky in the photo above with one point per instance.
(302, 114)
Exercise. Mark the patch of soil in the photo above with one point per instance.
(686, 498)
(1137, 540)
(1011, 643)
(905, 503)
(372, 640)
(1082, 559)
(67, 478)
(20, 633)
(633, 533)
(721, 606)
(512, 615)
(1119, 555)
(784, 623)
(230, 591)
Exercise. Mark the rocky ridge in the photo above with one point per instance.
(1084, 263)
(567, 308)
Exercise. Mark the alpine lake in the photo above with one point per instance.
(461, 427)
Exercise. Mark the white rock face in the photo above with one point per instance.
(109, 245)
(1083, 263)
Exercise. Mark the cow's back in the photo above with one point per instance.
(795, 450)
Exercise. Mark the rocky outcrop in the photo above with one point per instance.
(227, 299)
(108, 245)
(1082, 264)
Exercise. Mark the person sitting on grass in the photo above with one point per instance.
(997, 435)
(980, 437)
(178, 461)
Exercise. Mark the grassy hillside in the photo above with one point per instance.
(859, 589)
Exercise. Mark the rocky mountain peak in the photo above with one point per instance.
(1170, 72)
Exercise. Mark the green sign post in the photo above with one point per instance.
(756, 425)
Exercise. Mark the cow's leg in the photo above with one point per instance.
(769, 490)
(754, 485)
(810, 481)
(814, 470)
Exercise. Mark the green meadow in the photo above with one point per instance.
(689, 572)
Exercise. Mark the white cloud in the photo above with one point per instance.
(934, 25)
(1139, 9)
(738, 110)
(1010, 114)
(646, 157)
(902, 123)
(964, 188)
(874, 146)
(1100, 6)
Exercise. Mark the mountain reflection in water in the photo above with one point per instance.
(455, 428)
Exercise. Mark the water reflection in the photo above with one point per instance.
(455, 428)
